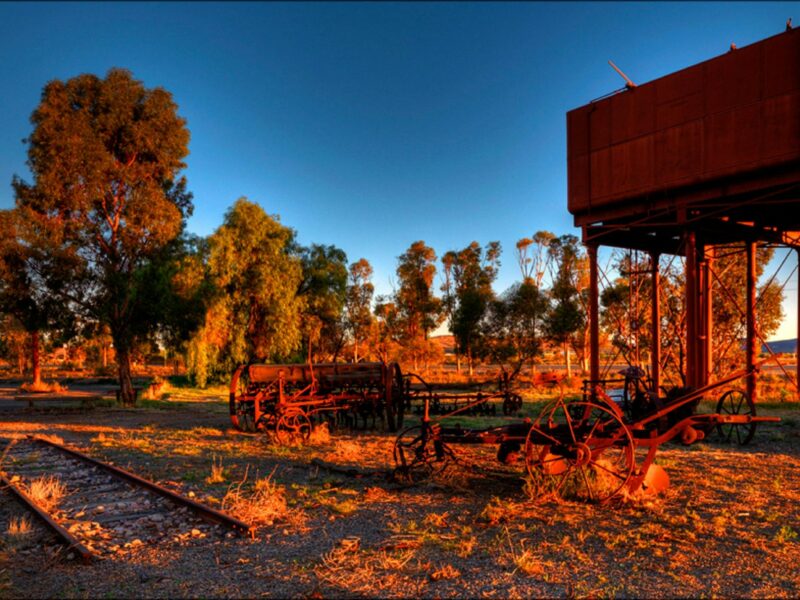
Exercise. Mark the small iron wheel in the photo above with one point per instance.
(511, 404)
(579, 450)
(293, 427)
(736, 402)
(418, 454)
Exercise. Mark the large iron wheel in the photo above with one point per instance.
(293, 427)
(418, 454)
(579, 450)
(242, 408)
(736, 402)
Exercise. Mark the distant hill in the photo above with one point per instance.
(781, 346)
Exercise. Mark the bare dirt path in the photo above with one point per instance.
(728, 526)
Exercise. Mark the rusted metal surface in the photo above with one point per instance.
(441, 399)
(284, 399)
(205, 512)
(66, 537)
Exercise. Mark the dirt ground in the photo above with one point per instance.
(333, 524)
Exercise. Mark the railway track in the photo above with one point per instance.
(97, 509)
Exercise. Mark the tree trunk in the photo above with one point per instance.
(567, 359)
(126, 394)
(458, 363)
(469, 362)
(36, 365)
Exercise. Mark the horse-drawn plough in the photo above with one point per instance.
(587, 448)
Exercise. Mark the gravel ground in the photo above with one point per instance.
(728, 526)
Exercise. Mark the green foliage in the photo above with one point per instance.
(256, 312)
(418, 311)
(358, 302)
(566, 317)
(469, 274)
(532, 257)
(106, 207)
(324, 290)
(512, 328)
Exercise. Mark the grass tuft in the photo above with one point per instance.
(46, 491)
(217, 471)
(264, 504)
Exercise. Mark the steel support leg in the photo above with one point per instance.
(655, 323)
(691, 310)
(751, 319)
(594, 316)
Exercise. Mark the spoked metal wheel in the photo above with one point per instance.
(241, 403)
(293, 427)
(736, 402)
(579, 450)
(418, 454)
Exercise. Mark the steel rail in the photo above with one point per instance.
(205, 512)
(70, 541)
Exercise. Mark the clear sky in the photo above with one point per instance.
(372, 125)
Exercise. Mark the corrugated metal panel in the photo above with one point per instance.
(733, 115)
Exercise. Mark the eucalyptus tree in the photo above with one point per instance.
(565, 318)
(418, 309)
(255, 268)
(513, 328)
(469, 274)
(107, 202)
(324, 291)
(358, 303)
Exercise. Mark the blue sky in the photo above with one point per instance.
(372, 125)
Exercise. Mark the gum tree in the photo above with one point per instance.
(107, 199)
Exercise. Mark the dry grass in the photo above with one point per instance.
(46, 491)
(362, 572)
(525, 560)
(43, 387)
(19, 526)
(320, 435)
(217, 471)
(263, 504)
(157, 389)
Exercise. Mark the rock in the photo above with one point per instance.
(196, 533)
(157, 517)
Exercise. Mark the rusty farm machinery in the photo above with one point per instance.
(285, 400)
(587, 447)
(592, 447)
